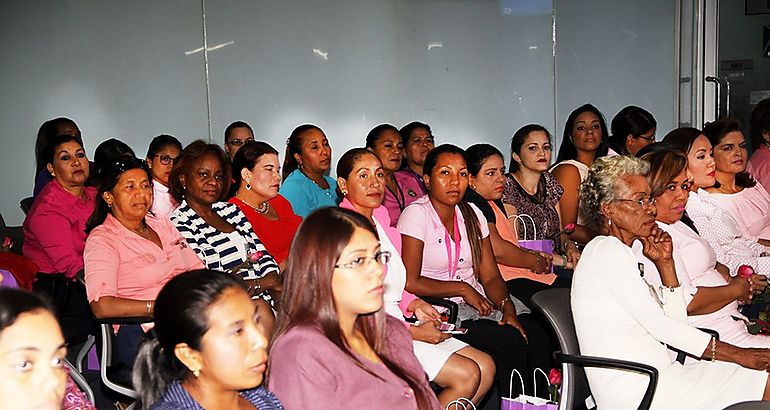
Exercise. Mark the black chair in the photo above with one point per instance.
(555, 305)
(26, 204)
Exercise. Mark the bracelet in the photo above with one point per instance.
(148, 304)
(563, 261)
(539, 260)
(502, 304)
(713, 349)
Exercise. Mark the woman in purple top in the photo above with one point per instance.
(208, 348)
(400, 190)
(334, 347)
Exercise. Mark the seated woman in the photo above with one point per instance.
(633, 128)
(715, 225)
(759, 164)
(237, 134)
(209, 348)
(735, 190)
(619, 314)
(129, 253)
(45, 135)
(447, 253)
(401, 189)
(257, 176)
(308, 159)
(161, 156)
(334, 345)
(55, 233)
(217, 231)
(712, 297)
(582, 143)
(525, 272)
(417, 140)
(460, 369)
(34, 374)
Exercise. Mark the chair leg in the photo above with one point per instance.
(84, 352)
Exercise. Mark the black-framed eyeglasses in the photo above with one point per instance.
(238, 143)
(650, 139)
(642, 202)
(381, 257)
(165, 159)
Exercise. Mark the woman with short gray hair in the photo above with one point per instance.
(619, 314)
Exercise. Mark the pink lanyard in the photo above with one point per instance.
(453, 266)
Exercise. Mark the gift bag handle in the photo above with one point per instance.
(547, 380)
(524, 224)
(510, 384)
(460, 403)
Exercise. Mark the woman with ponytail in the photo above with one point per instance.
(447, 252)
(209, 348)
(308, 159)
(334, 346)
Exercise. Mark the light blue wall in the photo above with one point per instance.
(476, 70)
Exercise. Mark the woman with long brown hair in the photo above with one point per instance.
(334, 346)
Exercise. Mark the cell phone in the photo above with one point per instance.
(446, 327)
(456, 331)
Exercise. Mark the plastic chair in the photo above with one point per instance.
(26, 204)
(114, 374)
(555, 305)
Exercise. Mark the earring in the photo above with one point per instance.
(248, 186)
(196, 373)
(109, 205)
(344, 193)
(609, 222)
(473, 187)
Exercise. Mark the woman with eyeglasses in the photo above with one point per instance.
(130, 253)
(334, 345)
(161, 156)
(307, 160)
(621, 312)
(713, 295)
(459, 369)
(400, 189)
(633, 128)
(735, 190)
(237, 134)
(218, 231)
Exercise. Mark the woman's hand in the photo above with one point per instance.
(428, 332)
(544, 262)
(573, 255)
(424, 311)
(272, 283)
(510, 318)
(742, 286)
(758, 359)
(658, 246)
(480, 303)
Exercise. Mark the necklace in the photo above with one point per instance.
(263, 208)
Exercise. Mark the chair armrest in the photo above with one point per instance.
(680, 355)
(603, 362)
(452, 306)
(136, 320)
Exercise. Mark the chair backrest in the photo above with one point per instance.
(26, 204)
(750, 405)
(555, 305)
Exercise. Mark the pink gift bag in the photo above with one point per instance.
(526, 402)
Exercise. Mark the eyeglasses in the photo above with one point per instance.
(649, 139)
(238, 143)
(165, 159)
(381, 257)
(642, 202)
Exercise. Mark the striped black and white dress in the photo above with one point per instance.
(225, 251)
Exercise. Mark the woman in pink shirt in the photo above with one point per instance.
(460, 369)
(130, 254)
(400, 189)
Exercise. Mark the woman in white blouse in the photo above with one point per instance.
(619, 314)
(713, 223)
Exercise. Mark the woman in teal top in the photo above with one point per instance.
(305, 183)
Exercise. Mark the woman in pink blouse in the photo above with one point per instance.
(400, 189)
(735, 190)
(130, 254)
(334, 347)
